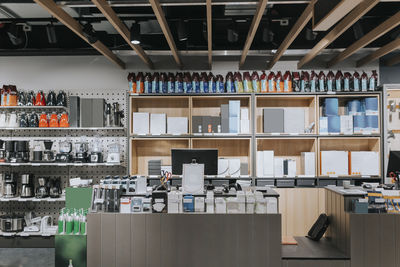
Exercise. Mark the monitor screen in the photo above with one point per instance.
(394, 162)
(208, 157)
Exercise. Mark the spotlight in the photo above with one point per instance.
(90, 33)
(310, 35)
(232, 33)
(51, 33)
(15, 34)
(135, 34)
(358, 30)
(268, 35)
(182, 33)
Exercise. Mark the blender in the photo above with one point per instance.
(65, 150)
(81, 149)
(96, 155)
(48, 154)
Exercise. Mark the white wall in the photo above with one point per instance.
(96, 72)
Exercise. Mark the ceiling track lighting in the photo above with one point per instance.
(90, 33)
(51, 33)
(14, 33)
(136, 37)
(182, 32)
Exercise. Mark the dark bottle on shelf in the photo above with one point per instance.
(313, 82)
(229, 83)
(179, 83)
(204, 83)
(330, 79)
(148, 83)
(220, 86)
(155, 84)
(187, 83)
(171, 83)
(163, 83)
(356, 82)
(62, 99)
(196, 82)
(51, 99)
(339, 81)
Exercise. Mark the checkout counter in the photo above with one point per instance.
(184, 239)
(370, 239)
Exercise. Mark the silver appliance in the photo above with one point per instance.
(10, 185)
(42, 191)
(27, 188)
(11, 223)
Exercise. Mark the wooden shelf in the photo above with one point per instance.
(289, 148)
(308, 102)
(227, 148)
(143, 150)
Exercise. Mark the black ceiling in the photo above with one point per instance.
(195, 19)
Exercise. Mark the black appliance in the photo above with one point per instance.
(51, 99)
(62, 99)
(48, 154)
(3, 155)
(33, 120)
(42, 191)
(65, 149)
(21, 151)
(55, 187)
(209, 157)
(10, 151)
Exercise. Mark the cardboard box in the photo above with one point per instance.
(364, 163)
(268, 163)
(334, 163)
(234, 167)
(234, 108)
(308, 163)
(331, 106)
(177, 125)
(372, 123)
(371, 105)
(158, 124)
(354, 107)
(346, 124)
(260, 164)
(234, 124)
(140, 123)
(273, 120)
(333, 124)
(244, 114)
(294, 120)
(223, 167)
(359, 124)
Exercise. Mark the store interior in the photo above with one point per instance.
(200, 133)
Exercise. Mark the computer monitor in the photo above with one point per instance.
(394, 163)
(208, 157)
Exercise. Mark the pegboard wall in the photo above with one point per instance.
(105, 136)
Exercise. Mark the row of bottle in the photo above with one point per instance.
(10, 96)
(234, 83)
(25, 120)
(72, 221)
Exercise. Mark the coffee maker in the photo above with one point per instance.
(96, 155)
(22, 151)
(27, 188)
(48, 154)
(55, 187)
(117, 115)
(65, 149)
(81, 149)
(10, 151)
(10, 185)
(42, 191)
(37, 151)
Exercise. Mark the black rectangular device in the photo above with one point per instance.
(208, 157)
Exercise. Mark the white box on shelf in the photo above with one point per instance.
(141, 185)
(220, 205)
(294, 120)
(268, 163)
(234, 124)
(323, 125)
(244, 126)
(346, 124)
(308, 163)
(125, 205)
(210, 202)
(173, 202)
(334, 163)
(272, 205)
(244, 114)
(260, 164)
(140, 123)
(177, 125)
(364, 163)
(250, 201)
(223, 167)
(234, 167)
(158, 124)
(234, 108)
(291, 168)
(199, 204)
(278, 167)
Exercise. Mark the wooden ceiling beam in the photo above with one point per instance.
(122, 29)
(76, 27)
(384, 50)
(383, 28)
(262, 4)
(338, 30)
(209, 32)
(392, 61)
(155, 4)
(292, 35)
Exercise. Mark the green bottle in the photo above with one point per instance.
(76, 223)
(83, 222)
(61, 222)
(69, 224)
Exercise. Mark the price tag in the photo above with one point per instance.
(21, 199)
(275, 133)
(61, 164)
(46, 234)
(24, 234)
(366, 176)
(8, 234)
(294, 134)
(110, 164)
(333, 176)
(366, 133)
(36, 164)
(331, 93)
(5, 199)
(36, 200)
(15, 164)
(78, 164)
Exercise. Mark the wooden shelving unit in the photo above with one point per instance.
(245, 146)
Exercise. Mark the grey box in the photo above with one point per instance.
(86, 112)
(284, 183)
(225, 111)
(215, 121)
(219, 183)
(265, 182)
(244, 169)
(306, 182)
(196, 121)
(326, 182)
(224, 125)
(273, 120)
(74, 111)
(154, 167)
(98, 112)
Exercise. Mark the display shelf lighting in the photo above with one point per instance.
(135, 34)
